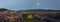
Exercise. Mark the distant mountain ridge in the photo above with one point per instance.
(40, 10)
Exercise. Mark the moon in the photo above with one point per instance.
(38, 3)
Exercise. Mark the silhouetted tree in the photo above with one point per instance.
(3, 9)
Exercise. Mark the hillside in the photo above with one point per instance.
(39, 10)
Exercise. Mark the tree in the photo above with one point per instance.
(28, 16)
(3, 9)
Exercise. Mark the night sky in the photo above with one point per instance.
(30, 4)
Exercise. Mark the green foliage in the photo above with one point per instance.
(27, 16)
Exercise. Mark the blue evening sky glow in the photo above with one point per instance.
(30, 4)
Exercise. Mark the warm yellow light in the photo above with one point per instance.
(12, 17)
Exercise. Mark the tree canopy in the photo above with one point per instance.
(28, 16)
(3, 9)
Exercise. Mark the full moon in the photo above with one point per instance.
(38, 3)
